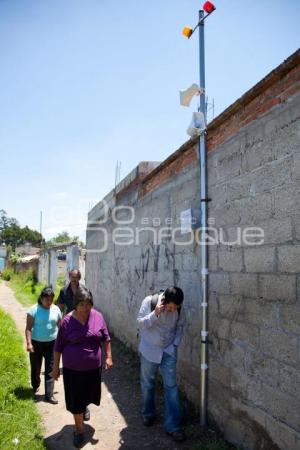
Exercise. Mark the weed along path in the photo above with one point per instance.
(116, 424)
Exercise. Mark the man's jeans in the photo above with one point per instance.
(42, 349)
(172, 413)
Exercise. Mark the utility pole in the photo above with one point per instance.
(208, 7)
(41, 221)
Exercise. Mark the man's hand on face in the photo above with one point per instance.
(159, 308)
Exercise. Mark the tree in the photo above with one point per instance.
(32, 236)
(6, 221)
(13, 235)
(3, 220)
(62, 238)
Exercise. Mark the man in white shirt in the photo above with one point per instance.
(160, 324)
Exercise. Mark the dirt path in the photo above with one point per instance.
(116, 424)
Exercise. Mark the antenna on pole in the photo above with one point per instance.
(118, 173)
(209, 109)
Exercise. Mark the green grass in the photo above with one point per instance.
(26, 291)
(20, 426)
(26, 288)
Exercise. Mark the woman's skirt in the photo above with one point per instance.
(81, 389)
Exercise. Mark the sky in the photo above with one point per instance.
(87, 83)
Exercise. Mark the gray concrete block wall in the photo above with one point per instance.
(254, 308)
(123, 275)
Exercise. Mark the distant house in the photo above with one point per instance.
(28, 262)
(27, 249)
(29, 258)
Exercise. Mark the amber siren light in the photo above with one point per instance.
(187, 32)
(208, 7)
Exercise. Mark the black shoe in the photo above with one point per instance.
(51, 400)
(148, 421)
(78, 440)
(177, 436)
(86, 414)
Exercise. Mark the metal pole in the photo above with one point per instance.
(41, 221)
(204, 259)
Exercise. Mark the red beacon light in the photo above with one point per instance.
(208, 7)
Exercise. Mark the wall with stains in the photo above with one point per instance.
(141, 257)
(254, 309)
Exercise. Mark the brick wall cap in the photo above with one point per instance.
(279, 72)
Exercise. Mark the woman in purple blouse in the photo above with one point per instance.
(79, 342)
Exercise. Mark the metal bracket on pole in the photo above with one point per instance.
(198, 131)
(201, 21)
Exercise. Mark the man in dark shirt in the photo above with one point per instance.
(65, 299)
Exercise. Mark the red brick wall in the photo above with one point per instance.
(275, 90)
(183, 159)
